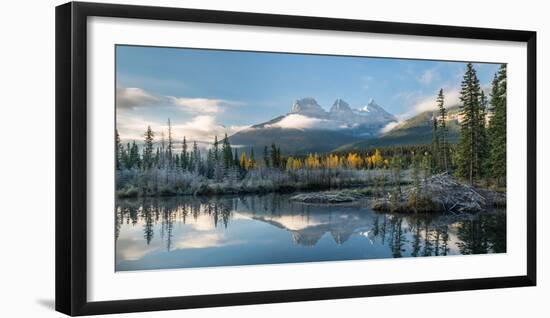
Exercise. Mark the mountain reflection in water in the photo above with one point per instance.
(180, 232)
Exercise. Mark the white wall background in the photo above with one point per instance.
(27, 158)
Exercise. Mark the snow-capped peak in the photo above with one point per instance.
(339, 106)
(308, 106)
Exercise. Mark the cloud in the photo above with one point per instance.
(133, 97)
(452, 98)
(424, 103)
(427, 76)
(389, 127)
(201, 128)
(297, 121)
(129, 98)
(201, 105)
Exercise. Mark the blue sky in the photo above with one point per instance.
(206, 92)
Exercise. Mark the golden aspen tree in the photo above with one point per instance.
(244, 161)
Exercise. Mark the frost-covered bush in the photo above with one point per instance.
(165, 181)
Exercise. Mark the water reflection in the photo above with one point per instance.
(181, 232)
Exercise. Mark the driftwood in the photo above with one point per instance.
(442, 193)
(329, 196)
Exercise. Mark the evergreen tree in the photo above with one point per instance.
(135, 161)
(483, 139)
(125, 156)
(252, 160)
(469, 142)
(435, 159)
(170, 148)
(227, 154)
(162, 159)
(184, 156)
(196, 158)
(210, 164)
(395, 198)
(266, 157)
(236, 158)
(275, 156)
(157, 158)
(177, 162)
(117, 150)
(148, 148)
(443, 133)
(216, 149)
(497, 127)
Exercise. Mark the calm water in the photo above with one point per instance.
(181, 232)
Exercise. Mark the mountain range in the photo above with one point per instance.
(309, 128)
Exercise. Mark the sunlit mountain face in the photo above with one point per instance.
(181, 232)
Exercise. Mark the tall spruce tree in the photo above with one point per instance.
(497, 127)
(134, 156)
(117, 150)
(170, 148)
(216, 148)
(252, 160)
(274, 156)
(126, 157)
(236, 161)
(184, 156)
(469, 143)
(435, 158)
(266, 157)
(148, 148)
(483, 138)
(443, 132)
(227, 154)
(210, 164)
(196, 158)
(162, 159)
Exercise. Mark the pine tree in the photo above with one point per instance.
(252, 160)
(216, 149)
(162, 159)
(483, 139)
(497, 127)
(236, 158)
(266, 157)
(469, 143)
(184, 156)
(126, 158)
(170, 148)
(134, 160)
(196, 158)
(117, 150)
(435, 159)
(148, 148)
(210, 164)
(157, 158)
(395, 199)
(274, 156)
(442, 132)
(227, 154)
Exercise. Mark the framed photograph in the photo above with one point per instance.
(210, 158)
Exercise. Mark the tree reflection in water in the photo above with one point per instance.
(404, 235)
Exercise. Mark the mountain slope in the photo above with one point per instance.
(291, 141)
(413, 131)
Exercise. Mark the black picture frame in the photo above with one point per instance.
(71, 157)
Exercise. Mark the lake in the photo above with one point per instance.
(186, 231)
